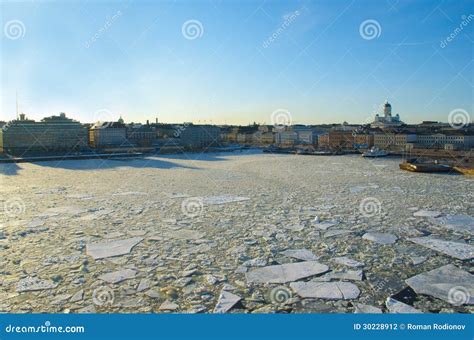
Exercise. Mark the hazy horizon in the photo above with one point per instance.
(237, 63)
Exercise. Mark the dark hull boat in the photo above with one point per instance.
(425, 167)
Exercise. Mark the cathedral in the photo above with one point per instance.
(387, 120)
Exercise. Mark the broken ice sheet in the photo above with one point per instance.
(294, 227)
(97, 214)
(349, 275)
(325, 225)
(67, 210)
(300, 254)
(168, 305)
(448, 283)
(337, 232)
(118, 276)
(361, 308)
(380, 238)
(347, 262)
(397, 307)
(130, 193)
(460, 223)
(226, 301)
(175, 195)
(427, 213)
(286, 272)
(112, 248)
(144, 285)
(184, 234)
(326, 290)
(33, 284)
(462, 251)
(357, 189)
(222, 199)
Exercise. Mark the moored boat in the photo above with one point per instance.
(464, 171)
(415, 166)
(375, 152)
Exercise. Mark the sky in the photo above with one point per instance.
(237, 62)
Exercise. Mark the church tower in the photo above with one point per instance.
(387, 109)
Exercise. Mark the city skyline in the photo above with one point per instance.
(224, 63)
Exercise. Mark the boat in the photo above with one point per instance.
(464, 171)
(417, 166)
(375, 152)
(276, 149)
(324, 153)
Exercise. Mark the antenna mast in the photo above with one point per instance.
(16, 105)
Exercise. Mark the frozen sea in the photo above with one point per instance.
(233, 232)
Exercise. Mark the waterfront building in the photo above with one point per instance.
(199, 135)
(363, 140)
(442, 141)
(323, 140)
(263, 138)
(141, 135)
(108, 134)
(296, 135)
(244, 138)
(393, 141)
(286, 137)
(341, 139)
(55, 134)
(387, 120)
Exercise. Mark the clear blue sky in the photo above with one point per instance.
(319, 67)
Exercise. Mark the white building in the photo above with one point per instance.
(387, 120)
(392, 141)
(297, 134)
